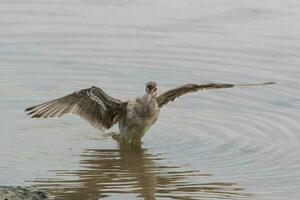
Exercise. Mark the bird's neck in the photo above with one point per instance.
(150, 104)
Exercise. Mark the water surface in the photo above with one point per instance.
(240, 143)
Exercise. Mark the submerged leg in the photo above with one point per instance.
(135, 141)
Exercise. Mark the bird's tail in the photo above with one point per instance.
(255, 84)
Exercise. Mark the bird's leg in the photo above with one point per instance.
(135, 142)
(125, 144)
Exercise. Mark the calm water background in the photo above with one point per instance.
(240, 143)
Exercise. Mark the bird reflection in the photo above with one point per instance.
(133, 173)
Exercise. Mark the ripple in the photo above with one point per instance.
(111, 171)
(240, 143)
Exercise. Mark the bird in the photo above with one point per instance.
(134, 116)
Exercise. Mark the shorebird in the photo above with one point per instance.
(134, 116)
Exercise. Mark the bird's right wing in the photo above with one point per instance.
(92, 104)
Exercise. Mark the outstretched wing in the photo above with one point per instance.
(170, 95)
(92, 104)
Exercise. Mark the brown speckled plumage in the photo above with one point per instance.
(134, 116)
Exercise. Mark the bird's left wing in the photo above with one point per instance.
(92, 104)
(170, 95)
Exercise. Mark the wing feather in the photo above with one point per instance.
(92, 104)
(172, 94)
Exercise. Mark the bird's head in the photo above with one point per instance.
(151, 88)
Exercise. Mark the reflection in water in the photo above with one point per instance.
(108, 172)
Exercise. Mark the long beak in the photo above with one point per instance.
(153, 91)
(147, 101)
(149, 97)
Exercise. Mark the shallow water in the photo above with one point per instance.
(240, 143)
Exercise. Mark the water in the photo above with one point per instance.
(240, 143)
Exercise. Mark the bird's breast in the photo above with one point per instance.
(139, 118)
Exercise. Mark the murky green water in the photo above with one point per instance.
(240, 143)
